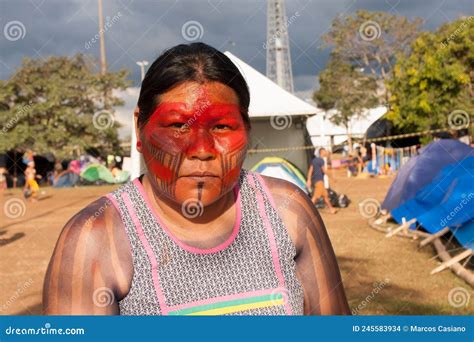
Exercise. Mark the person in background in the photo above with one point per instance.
(3, 179)
(315, 179)
(31, 186)
(352, 165)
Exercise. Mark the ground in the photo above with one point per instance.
(386, 276)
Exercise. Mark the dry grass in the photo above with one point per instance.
(381, 276)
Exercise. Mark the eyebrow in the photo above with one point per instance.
(180, 108)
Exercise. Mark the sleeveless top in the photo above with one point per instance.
(252, 273)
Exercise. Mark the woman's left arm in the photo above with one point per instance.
(316, 264)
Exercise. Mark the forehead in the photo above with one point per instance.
(192, 92)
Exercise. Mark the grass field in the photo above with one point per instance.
(381, 276)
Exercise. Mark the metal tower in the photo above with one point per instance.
(278, 49)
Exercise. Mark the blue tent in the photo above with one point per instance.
(420, 170)
(437, 188)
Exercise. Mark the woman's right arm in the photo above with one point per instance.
(88, 269)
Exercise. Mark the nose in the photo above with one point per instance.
(201, 146)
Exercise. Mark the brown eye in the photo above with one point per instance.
(222, 127)
(176, 125)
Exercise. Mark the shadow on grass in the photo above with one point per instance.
(371, 295)
(31, 310)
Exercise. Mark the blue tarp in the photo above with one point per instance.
(437, 188)
(420, 170)
(447, 201)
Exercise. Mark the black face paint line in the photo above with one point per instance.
(200, 186)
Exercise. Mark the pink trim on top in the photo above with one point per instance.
(149, 252)
(224, 298)
(271, 238)
(181, 244)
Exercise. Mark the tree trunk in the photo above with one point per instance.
(349, 140)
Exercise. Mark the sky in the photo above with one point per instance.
(142, 29)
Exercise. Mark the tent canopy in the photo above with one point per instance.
(435, 188)
(321, 128)
(266, 97)
(420, 170)
(280, 168)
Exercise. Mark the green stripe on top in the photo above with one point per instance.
(227, 303)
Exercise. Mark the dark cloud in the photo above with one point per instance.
(145, 28)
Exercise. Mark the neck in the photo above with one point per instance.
(173, 211)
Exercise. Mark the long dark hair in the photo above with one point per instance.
(196, 62)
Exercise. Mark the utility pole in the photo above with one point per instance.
(103, 61)
(142, 65)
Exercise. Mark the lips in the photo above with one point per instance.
(201, 174)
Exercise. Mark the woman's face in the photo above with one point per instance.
(195, 142)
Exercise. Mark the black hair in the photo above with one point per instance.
(196, 62)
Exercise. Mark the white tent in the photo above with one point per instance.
(277, 118)
(324, 133)
(266, 97)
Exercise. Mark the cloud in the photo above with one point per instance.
(146, 28)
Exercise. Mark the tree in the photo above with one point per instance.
(346, 89)
(372, 40)
(57, 105)
(434, 84)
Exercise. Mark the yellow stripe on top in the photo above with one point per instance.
(237, 308)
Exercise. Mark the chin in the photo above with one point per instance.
(205, 190)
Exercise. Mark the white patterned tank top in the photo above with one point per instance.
(251, 273)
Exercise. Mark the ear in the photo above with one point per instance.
(136, 111)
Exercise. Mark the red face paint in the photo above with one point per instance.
(206, 137)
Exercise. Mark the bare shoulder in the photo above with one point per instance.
(92, 250)
(295, 208)
(316, 264)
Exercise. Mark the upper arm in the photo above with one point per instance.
(316, 263)
(84, 276)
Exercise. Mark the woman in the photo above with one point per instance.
(196, 234)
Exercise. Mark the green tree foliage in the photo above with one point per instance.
(371, 40)
(58, 105)
(346, 89)
(435, 79)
